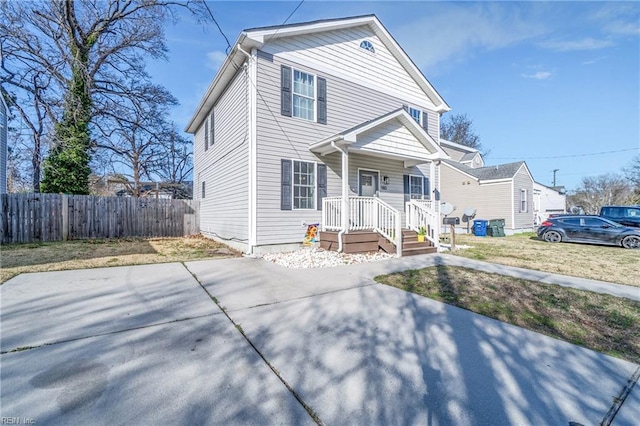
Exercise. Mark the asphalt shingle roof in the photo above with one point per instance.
(499, 171)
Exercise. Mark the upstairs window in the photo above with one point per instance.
(523, 201)
(211, 129)
(366, 45)
(304, 95)
(415, 114)
(206, 134)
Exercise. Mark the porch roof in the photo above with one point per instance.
(393, 135)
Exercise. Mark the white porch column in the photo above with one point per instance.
(345, 189)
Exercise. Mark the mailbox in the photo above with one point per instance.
(451, 221)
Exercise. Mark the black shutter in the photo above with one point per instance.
(285, 193)
(407, 194)
(285, 90)
(426, 188)
(425, 121)
(322, 184)
(322, 100)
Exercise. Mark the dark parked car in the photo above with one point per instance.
(588, 229)
(624, 215)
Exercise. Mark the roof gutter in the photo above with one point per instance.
(191, 126)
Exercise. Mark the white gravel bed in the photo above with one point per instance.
(313, 257)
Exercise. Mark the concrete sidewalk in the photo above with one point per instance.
(109, 345)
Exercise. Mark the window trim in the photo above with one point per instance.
(419, 111)
(421, 187)
(368, 46)
(293, 185)
(524, 202)
(294, 94)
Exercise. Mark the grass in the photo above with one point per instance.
(603, 263)
(596, 321)
(82, 254)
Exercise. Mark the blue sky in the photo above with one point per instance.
(556, 84)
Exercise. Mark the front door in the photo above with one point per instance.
(368, 183)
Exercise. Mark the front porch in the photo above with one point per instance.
(365, 224)
(384, 214)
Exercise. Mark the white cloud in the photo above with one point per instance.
(593, 61)
(540, 75)
(215, 59)
(457, 31)
(588, 43)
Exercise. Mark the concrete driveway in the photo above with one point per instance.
(149, 344)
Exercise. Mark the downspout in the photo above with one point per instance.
(250, 67)
(345, 194)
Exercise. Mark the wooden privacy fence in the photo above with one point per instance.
(26, 218)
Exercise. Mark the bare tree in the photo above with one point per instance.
(458, 128)
(90, 50)
(135, 134)
(598, 191)
(176, 164)
(632, 173)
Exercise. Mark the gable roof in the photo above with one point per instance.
(457, 146)
(468, 156)
(258, 37)
(350, 136)
(500, 171)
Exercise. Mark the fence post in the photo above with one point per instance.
(65, 217)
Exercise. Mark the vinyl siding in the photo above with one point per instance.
(491, 201)
(279, 137)
(392, 137)
(455, 154)
(522, 180)
(338, 53)
(224, 166)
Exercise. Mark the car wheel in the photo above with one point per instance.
(552, 237)
(631, 242)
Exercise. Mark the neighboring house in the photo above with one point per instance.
(4, 123)
(503, 191)
(547, 200)
(326, 122)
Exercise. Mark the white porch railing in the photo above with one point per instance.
(420, 214)
(365, 213)
(331, 214)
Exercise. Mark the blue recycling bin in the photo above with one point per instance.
(480, 227)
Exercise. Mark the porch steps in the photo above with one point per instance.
(412, 247)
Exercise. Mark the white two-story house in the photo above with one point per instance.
(326, 122)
